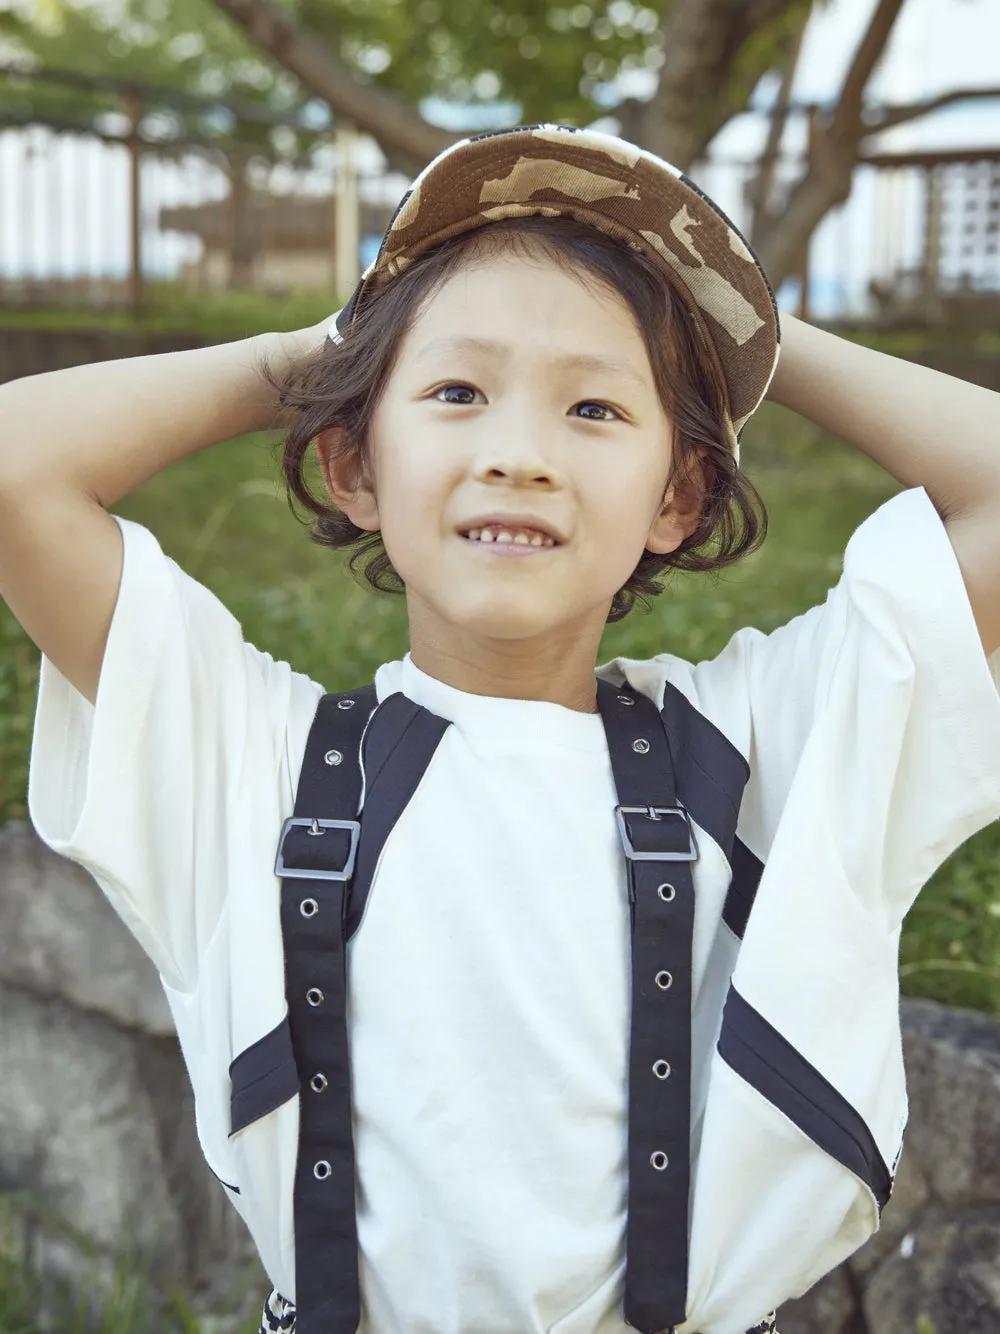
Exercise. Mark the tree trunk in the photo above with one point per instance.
(760, 188)
(242, 238)
(407, 140)
(701, 86)
(831, 160)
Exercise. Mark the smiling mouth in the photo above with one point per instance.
(536, 541)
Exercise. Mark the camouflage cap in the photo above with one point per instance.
(625, 191)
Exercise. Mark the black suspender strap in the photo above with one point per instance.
(319, 848)
(327, 857)
(659, 848)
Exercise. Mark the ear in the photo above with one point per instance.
(346, 478)
(680, 513)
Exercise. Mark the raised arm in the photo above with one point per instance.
(925, 428)
(74, 442)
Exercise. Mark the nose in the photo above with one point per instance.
(515, 444)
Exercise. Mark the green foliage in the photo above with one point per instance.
(547, 58)
(186, 45)
(550, 59)
(528, 60)
(223, 516)
(18, 689)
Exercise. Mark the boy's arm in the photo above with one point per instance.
(104, 429)
(73, 442)
(923, 427)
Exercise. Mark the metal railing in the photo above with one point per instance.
(91, 212)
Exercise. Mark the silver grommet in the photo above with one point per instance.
(661, 1069)
(666, 893)
(333, 757)
(626, 699)
(308, 907)
(345, 703)
(322, 1170)
(664, 979)
(641, 746)
(659, 1160)
(318, 1083)
(315, 997)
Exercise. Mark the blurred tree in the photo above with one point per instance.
(672, 72)
(692, 65)
(184, 47)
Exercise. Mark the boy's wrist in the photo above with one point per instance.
(298, 344)
(280, 352)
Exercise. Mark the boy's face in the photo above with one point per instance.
(529, 424)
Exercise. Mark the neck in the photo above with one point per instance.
(511, 669)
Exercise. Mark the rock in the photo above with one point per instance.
(909, 1194)
(59, 936)
(943, 1278)
(829, 1307)
(953, 1076)
(99, 1156)
(78, 1125)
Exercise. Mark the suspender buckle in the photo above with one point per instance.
(656, 813)
(316, 827)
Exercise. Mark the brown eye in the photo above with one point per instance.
(456, 388)
(602, 407)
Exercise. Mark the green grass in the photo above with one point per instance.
(172, 308)
(126, 1300)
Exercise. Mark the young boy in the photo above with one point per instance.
(586, 1091)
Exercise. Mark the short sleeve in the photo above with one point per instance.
(140, 787)
(875, 715)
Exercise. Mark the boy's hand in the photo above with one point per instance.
(283, 351)
(302, 343)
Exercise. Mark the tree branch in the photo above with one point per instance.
(897, 115)
(760, 187)
(832, 155)
(696, 97)
(405, 137)
(869, 52)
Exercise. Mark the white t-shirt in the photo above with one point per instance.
(489, 982)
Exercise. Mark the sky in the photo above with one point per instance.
(936, 46)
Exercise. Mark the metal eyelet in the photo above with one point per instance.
(322, 1170)
(640, 746)
(667, 898)
(664, 980)
(659, 1160)
(318, 1083)
(345, 703)
(308, 907)
(626, 699)
(315, 997)
(333, 757)
(661, 1069)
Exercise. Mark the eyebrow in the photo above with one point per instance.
(573, 361)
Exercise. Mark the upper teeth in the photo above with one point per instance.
(522, 536)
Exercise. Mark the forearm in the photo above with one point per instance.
(923, 427)
(107, 427)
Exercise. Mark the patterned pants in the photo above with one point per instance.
(279, 1315)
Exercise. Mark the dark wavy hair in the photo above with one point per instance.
(341, 385)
